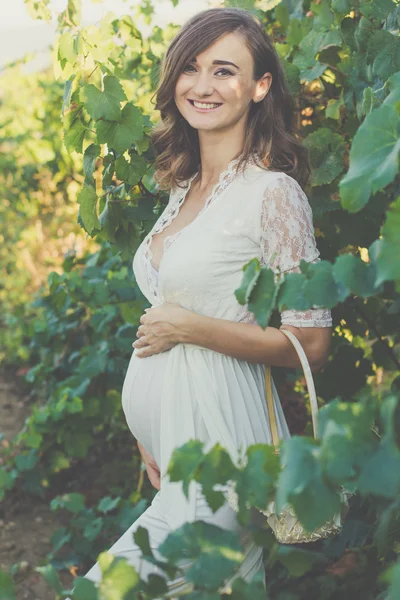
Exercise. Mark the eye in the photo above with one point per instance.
(226, 71)
(188, 67)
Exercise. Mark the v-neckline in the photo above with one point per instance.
(175, 208)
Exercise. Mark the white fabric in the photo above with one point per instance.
(192, 392)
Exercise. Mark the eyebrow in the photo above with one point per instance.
(219, 62)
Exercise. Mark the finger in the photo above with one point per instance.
(140, 343)
(142, 353)
(156, 482)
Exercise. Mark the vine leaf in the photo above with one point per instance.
(373, 158)
(106, 104)
(120, 134)
(87, 199)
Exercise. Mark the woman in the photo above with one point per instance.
(235, 170)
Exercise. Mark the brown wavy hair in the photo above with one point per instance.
(271, 132)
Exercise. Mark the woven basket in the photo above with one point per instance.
(285, 525)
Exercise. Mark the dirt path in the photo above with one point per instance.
(26, 524)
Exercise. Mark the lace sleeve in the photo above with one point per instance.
(287, 237)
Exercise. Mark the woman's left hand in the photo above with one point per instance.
(162, 327)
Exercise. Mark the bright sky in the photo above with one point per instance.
(19, 33)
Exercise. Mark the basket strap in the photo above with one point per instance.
(310, 386)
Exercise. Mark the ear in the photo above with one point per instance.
(262, 87)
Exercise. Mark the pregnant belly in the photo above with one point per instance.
(141, 398)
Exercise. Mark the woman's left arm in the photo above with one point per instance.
(250, 342)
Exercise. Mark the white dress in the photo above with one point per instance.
(192, 392)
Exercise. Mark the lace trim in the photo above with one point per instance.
(287, 231)
(314, 317)
(172, 210)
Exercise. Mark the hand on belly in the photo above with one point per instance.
(162, 328)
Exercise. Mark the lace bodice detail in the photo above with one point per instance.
(177, 198)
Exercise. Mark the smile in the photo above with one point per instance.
(205, 106)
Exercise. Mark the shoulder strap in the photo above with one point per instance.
(310, 386)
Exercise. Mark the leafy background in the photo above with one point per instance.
(78, 196)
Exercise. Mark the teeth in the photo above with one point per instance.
(202, 105)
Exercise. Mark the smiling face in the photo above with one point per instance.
(221, 77)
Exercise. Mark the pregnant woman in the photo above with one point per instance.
(235, 171)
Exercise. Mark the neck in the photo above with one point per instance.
(216, 154)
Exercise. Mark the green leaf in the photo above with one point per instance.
(84, 589)
(33, 439)
(26, 462)
(355, 275)
(341, 6)
(313, 43)
(377, 9)
(333, 107)
(6, 480)
(216, 468)
(106, 104)
(74, 129)
(394, 577)
(184, 463)
(256, 482)
(93, 529)
(7, 589)
(118, 578)
(50, 575)
(263, 296)
(347, 439)
(141, 537)
(73, 502)
(66, 50)
(373, 158)
(131, 172)
(75, 11)
(39, 10)
(383, 51)
(388, 248)
(320, 288)
(326, 151)
(251, 273)
(291, 293)
(108, 504)
(67, 94)
(87, 199)
(301, 484)
(381, 472)
(59, 538)
(388, 526)
(212, 553)
(122, 134)
(89, 161)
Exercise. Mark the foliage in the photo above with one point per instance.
(342, 63)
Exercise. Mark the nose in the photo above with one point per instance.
(202, 85)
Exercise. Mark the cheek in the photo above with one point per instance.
(180, 88)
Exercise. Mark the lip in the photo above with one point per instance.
(204, 110)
